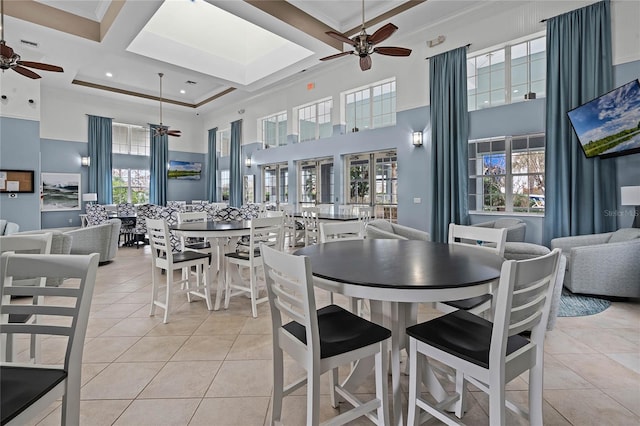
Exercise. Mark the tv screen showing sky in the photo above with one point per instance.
(610, 123)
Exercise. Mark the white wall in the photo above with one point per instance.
(18, 90)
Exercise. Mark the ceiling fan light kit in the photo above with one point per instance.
(10, 60)
(364, 44)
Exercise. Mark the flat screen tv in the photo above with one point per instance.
(609, 125)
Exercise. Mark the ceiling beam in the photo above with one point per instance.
(385, 16)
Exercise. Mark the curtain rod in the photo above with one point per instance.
(429, 57)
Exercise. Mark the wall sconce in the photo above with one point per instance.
(247, 162)
(85, 161)
(417, 138)
(90, 197)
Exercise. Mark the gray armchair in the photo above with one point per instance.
(605, 264)
(516, 228)
(102, 239)
(380, 228)
(8, 228)
(60, 244)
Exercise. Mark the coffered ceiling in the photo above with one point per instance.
(207, 49)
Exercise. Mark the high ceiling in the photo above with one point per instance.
(224, 48)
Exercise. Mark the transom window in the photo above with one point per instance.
(371, 107)
(507, 75)
(274, 129)
(130, 139)
(223, 142)
(507, 174)
(130, 186)
(314, 121)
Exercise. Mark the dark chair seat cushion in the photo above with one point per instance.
(20, 387)
(463, 334)
(340, 331)
(19, 318)
(186, 256)
(469, 303)
(201, 245)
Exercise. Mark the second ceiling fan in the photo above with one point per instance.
(162, 130)
(364, 44)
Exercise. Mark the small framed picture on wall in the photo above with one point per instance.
(60, 191)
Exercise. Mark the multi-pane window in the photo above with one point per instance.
(371, 108)
(314, 121)
(275, 183)
(316, 182)
(223, 142)
(130, 139)
(506, 75)
(507, 174)
(223, 190)
(130, 186)
(374, 175)
(274, 130)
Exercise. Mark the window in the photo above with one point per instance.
(130, 186)
(316, 182)
(130, 139)
(223, 142)
(275, 183)
(372, 107)
(385, 181)
(506, 75)
(314, 121)
(507, 174)
(223, 190)
(274, 130)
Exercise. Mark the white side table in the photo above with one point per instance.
(83, 220)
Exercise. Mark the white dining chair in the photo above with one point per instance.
(201, 245)
(320, 341)
(293, 230)
(267, 231)
(28, 389)
(345, 209)
(485, 354)
(311, 225)
(364, 214)
(32, 244)
(163, 258)
(487, 239)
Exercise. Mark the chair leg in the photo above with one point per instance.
(313, 396)
(496, 399)
(535, 392)
(461, 390)
(206, 284)
(382, 391)
(414, 372)
(154, 291)
(333, 382)
(253, 291)
(168, 296)
(278, 386)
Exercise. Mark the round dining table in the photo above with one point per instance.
(396, 275)
(220, 231)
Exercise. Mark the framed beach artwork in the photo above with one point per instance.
(184, 170)
(60, 191)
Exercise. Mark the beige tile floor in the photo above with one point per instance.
(214, 368)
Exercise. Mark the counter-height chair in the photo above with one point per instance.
(345, 209)
(163, 258)
(293, 229)
(364, 214)
(267, 231)
(489, 355)
(96, 214)
(200, 245)
(319, 341)
(32, 244)
(311, 225)
(28, 389)
(126, 230)
(487, 239)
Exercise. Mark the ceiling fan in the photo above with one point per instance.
(364, 43)
(162, 130)
(11, 60)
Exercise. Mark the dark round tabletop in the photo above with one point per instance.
(402, 264)
(212, 226)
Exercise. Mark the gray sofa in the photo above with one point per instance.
(380, 228)
(60, 244)
(101, 239)
(605, 264)
(516, 228)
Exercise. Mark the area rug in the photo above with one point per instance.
(576, 305)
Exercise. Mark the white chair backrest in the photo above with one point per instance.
(32, 243)
(490, 239)
(345, 209)
(364, 214)
(82, 268)
(187, 217)
(272, 213)
(523, 301)
(325, 208)
(310, 216)
(341, 231)
(267, 231)
(161, 250)
(290, 291)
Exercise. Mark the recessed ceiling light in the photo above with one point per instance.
(108, 74)
(515, 91)
(183, 91)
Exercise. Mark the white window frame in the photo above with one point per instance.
(509, 96)
(280, 140)
(225, 182)
(317, 117)
(131, 146)
(223, 142)
(129, 181)
(351, 123)
(478, 175)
